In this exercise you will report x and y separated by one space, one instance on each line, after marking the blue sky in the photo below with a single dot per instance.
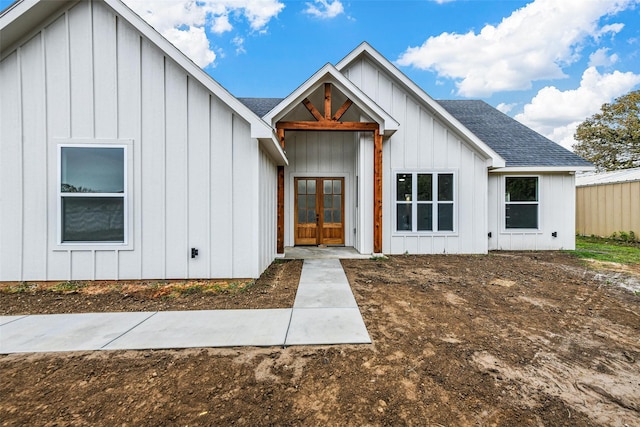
548 63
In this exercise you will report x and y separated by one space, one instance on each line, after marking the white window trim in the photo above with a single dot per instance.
415 202
127 244
503 203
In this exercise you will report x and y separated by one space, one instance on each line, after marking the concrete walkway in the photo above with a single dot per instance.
324 312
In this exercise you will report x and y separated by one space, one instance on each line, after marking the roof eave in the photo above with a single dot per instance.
547 169
272 147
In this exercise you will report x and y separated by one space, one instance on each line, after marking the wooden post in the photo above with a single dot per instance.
327 101
280 237
377 192
281 137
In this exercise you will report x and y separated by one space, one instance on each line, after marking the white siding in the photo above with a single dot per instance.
89 76
423 143
556 214
268 205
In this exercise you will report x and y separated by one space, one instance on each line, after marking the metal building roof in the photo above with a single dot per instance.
623 175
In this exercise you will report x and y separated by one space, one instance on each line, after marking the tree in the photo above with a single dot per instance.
610 139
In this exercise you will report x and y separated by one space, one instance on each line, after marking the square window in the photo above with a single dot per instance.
425 202
521 202
92 194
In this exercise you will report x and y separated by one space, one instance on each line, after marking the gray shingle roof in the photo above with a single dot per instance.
260 106
519 145
515 142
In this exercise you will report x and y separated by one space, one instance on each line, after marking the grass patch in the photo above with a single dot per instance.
607 250
68 287
20 288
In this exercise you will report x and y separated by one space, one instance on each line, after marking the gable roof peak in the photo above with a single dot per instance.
330 74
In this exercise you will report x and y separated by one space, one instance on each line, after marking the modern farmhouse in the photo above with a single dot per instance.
122 159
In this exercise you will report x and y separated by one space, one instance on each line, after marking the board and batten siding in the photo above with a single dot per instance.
556 214
604 209
318 155
423 143
88 76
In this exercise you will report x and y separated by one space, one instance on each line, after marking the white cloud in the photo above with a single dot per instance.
238 42
601 58
193 43
221 24
533 43
183 22
325 9
556 114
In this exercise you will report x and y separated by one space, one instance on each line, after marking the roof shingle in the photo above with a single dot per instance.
519 145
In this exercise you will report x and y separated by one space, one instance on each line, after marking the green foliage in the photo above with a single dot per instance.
607 250
68 287
611 139
623 236
21 288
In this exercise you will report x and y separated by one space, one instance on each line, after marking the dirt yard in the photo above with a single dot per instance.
508 339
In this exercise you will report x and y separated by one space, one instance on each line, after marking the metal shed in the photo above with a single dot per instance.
608 202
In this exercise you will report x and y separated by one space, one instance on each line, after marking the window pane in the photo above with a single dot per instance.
403 187
302 186
337 215
302 202
327 186
445 187
311 217
311 202
445 217
302 216
425 217
425 187
337 201
327 200
403 216
92 219
521 189
521 216
92 170
327 215
311 186
337 187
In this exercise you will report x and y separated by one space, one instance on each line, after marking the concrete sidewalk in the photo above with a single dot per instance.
324 312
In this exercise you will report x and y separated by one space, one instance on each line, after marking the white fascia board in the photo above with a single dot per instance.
259 129
274 150
542 169
21 19
328 73
365 48
14 11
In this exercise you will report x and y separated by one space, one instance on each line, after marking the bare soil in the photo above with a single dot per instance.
515 339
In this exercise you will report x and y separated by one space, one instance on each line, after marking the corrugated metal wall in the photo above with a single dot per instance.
605 209
88 75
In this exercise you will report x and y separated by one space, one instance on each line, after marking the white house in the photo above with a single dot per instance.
121 159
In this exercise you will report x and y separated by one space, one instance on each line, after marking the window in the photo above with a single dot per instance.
92 197
521 202
424 202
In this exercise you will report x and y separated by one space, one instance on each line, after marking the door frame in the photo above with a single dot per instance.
348 207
